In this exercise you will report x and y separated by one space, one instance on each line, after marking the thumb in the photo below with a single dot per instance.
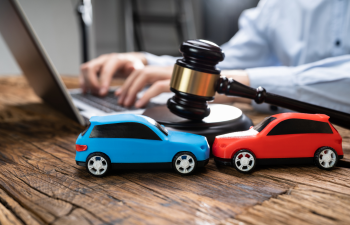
156 89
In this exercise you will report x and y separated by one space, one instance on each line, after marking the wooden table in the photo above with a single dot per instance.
41 184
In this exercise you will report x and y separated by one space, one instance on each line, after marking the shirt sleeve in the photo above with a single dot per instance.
250 47
164 60
325 83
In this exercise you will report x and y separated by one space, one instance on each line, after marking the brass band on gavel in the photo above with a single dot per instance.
194 82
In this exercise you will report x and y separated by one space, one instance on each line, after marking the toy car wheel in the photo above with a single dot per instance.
244 161
184 163
326 158
98 164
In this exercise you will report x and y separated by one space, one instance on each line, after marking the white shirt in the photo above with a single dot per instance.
296 48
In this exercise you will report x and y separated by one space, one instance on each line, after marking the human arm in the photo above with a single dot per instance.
247 50
325 83
250 47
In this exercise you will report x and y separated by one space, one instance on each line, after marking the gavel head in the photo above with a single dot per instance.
194 79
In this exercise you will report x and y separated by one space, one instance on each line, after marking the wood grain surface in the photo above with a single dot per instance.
41 184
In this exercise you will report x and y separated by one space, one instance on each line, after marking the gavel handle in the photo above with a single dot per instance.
231 87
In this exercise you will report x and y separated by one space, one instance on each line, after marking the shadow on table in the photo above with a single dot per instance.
36 119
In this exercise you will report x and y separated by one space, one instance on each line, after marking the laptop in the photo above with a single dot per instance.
44 78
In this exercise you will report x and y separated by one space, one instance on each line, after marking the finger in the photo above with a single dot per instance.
136 86
118 91
82 79
108 70
126 85
156 89
89 72
92 80
127 68
82 83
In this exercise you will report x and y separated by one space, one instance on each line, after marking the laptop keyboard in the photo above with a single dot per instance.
108 103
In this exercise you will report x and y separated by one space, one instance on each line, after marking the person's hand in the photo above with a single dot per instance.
239 75
158 76
96 75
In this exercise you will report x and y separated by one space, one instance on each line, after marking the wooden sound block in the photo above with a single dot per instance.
222 119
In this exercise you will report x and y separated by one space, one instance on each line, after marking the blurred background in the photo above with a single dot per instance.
155 26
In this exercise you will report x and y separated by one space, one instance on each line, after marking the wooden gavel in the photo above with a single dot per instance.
196 79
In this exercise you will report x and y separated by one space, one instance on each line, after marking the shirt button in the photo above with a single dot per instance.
337 43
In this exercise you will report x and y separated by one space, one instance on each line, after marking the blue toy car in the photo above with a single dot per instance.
136 141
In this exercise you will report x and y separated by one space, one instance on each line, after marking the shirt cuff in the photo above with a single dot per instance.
271 77
164 60
278 80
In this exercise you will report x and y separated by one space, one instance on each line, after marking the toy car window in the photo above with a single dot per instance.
124 130
335 128
301 126
87 128
261 126
157 125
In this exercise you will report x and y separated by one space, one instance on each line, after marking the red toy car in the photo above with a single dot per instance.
287 138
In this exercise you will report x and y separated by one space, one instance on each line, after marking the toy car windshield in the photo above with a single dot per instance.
261 126
154 123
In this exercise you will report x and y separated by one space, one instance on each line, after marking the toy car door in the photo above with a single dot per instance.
294 138
145 145
130 142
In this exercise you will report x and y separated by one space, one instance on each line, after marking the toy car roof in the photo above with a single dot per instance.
119 118
319 117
